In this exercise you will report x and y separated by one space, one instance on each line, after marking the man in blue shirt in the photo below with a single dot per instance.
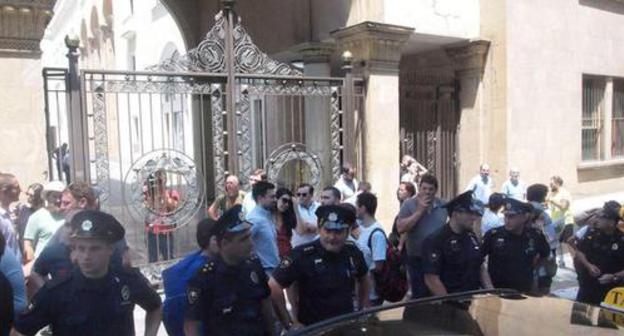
513 187
263 232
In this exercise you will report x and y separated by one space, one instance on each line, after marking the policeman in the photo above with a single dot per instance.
600 256
229 295
515 249
93 299
326 271
452 255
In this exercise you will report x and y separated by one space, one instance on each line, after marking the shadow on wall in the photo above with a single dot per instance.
591 174
604 5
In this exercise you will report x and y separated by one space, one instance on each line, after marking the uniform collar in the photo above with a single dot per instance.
83 282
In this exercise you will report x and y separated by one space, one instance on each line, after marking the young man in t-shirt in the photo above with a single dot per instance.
373 237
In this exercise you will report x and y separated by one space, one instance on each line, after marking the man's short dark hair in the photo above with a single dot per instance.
365 186
368 201
334 191
496 201
429 179
557 179
261 188
310 187
537 193
409 187
80 190
205 231
346 167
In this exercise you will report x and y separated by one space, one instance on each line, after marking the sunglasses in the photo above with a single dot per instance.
302 194
285 199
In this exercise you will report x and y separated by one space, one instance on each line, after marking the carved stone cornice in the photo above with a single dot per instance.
469 56
315 52
375 46
23 25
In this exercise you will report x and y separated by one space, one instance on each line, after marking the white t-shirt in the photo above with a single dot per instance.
375 252
308 215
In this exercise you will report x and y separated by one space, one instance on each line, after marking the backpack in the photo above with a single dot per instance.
175 279
391 281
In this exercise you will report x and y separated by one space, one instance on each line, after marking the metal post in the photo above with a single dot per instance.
232 157
76 119
348 115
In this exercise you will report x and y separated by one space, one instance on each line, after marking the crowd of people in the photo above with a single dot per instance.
273 259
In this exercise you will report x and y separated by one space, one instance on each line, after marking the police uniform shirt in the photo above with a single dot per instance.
607 253
326 280
228 299
511 257
455 258
76 305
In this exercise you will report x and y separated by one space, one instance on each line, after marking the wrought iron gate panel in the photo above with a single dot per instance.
56 115
146 127
429 121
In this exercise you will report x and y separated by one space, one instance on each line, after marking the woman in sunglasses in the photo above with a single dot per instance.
285 221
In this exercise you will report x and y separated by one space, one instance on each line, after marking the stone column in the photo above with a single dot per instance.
376 50
469 61
22 24
316 59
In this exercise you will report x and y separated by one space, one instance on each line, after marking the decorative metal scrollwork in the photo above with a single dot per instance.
163 186
294 152
216 103
209 55
102 165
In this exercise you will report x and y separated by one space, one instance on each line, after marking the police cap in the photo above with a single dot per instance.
334 217
611 210
465 202
514 207
232 221
93 224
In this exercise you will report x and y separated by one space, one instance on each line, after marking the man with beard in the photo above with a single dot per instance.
44 222
263 233
326 271
453 261
419 217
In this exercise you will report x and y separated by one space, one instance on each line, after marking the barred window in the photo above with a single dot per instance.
617 120
593 115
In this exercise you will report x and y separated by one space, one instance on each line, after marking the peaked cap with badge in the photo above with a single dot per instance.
334 217
93 224
232 221
465 202
515 207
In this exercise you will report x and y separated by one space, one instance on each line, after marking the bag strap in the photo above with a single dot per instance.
370 238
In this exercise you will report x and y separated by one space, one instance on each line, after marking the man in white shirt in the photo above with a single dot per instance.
305 209
347 184
513 187
372 236
482 184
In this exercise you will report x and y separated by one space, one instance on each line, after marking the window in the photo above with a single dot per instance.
603 118
593 114
617 120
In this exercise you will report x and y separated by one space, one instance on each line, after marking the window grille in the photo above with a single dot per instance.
617 120
593 114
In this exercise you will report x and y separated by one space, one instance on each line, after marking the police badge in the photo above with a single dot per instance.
87 225
192 296
125 293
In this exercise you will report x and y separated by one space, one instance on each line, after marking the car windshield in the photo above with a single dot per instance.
476 313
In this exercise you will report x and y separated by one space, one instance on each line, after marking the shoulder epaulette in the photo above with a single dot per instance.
58 281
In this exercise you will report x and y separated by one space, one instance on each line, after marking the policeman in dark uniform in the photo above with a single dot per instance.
93 299
326 271
516 249
452 255
600 257
229 295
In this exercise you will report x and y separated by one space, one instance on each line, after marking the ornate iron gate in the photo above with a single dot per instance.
161 142
429 120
